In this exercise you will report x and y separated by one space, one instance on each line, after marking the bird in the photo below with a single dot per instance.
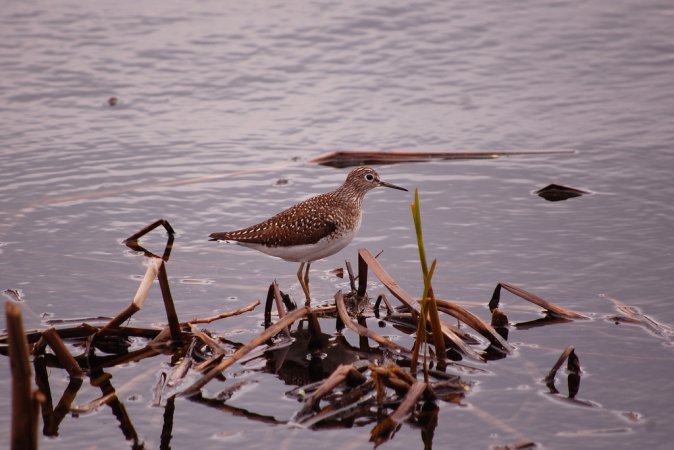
314 228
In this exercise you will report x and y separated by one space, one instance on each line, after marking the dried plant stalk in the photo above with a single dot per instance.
404 297
361 330
535 299
25 405
245 309
62 353
475 323
140 297
241 352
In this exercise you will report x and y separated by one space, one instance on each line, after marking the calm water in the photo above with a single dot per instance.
218 101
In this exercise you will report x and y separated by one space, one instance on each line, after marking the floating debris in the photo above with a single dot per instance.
557 192
15 295
348 158
632 315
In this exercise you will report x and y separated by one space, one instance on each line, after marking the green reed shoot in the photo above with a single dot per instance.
429 308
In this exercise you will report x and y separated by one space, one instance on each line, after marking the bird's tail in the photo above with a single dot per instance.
218 237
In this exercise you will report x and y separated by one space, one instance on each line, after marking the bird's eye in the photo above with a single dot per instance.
369 177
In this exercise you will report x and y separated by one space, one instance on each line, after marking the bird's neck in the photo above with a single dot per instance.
350 196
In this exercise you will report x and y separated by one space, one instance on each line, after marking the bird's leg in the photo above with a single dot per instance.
303 283
306 283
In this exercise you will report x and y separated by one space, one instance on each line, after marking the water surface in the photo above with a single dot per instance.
217 102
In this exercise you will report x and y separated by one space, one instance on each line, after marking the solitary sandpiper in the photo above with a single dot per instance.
313 229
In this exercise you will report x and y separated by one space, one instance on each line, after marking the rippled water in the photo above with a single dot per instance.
218 101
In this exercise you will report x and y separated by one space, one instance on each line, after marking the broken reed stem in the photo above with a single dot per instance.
384 429
245 309
352 278
279 306
62 353
362 277
171 315
474 322
241 352
206 339
398 292
361 330
334 380
140 297
146 229
535 299
565 354
413 394
25 405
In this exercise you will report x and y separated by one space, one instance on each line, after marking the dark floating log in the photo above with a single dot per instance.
348 158
558 192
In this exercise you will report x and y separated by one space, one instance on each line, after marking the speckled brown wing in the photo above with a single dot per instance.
304 223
